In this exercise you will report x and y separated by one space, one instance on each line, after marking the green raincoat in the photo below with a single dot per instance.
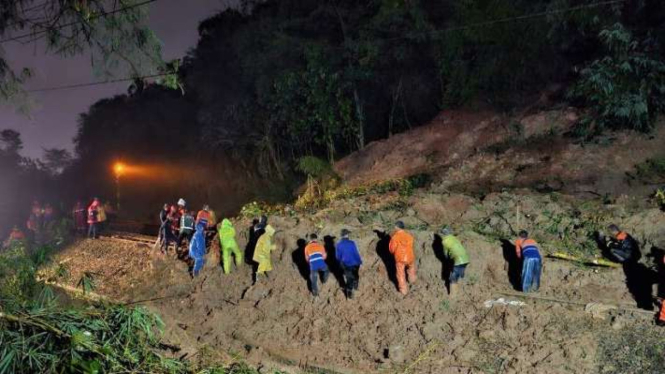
454 250
263 248
227 241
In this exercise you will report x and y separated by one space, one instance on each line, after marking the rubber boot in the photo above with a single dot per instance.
454 290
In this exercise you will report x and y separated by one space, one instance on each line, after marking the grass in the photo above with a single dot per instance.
632 350
651 170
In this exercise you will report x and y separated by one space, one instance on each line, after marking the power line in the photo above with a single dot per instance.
92 17
458 28
89 84
510 19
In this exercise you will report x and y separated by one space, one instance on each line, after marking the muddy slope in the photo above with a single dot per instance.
278 323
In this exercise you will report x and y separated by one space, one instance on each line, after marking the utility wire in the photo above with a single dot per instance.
101 15
89 84
459 28
510 19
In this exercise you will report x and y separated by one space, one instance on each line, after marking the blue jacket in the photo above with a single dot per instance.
197 247
347 253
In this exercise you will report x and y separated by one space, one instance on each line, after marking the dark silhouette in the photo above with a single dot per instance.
383 251
331 259
639 280
514 263
299 261
252 238
657 254
446 264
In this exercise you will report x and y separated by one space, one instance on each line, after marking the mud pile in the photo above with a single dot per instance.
277 323
484 152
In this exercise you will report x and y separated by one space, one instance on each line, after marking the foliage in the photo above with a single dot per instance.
660 197
635 349
256 209
625 88
651 170
314 167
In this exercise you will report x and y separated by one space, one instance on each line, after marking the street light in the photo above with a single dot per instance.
119 170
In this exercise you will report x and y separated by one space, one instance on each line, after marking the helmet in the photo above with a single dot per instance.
182 202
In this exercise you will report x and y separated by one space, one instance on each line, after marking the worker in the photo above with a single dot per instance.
101 213
15 236
532 263
262 253
622 247
48 215
181 204
79 217
197 249
401 246
228 244
349 259
93 218
171 227
35 219
315 254
186 229
203 216
454 251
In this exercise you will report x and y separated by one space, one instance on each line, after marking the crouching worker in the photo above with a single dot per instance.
315 254
349 259
227 241
197 249
401 246
622 247
262 253
527 250
455 253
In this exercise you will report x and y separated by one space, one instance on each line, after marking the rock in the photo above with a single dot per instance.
395 353
598 310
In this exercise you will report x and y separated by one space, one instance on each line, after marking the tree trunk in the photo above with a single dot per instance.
360 113
391 119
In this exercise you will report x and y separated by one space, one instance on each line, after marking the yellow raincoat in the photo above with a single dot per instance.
262 252
227 241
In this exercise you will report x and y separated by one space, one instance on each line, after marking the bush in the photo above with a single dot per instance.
651 170
624 89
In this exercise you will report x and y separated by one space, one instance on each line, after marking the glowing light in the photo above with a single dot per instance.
119 168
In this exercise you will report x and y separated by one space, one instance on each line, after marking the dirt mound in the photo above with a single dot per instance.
277 323
485 152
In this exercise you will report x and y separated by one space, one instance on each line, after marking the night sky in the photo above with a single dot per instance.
54 118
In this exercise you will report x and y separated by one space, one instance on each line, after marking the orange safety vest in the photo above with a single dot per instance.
524 243
401 246
314 247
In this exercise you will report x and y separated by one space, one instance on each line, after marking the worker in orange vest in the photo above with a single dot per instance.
315 254
204 217
15 236
401 246
532 263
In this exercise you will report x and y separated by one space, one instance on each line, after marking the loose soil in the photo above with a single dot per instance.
277 324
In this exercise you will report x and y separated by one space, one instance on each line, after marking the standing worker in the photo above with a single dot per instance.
93 218
315 254
203 216
401 246
262 253
227 241
101 215
197 250
454 251
349 259
532 263
186 227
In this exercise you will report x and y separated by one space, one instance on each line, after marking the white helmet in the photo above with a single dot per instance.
182 202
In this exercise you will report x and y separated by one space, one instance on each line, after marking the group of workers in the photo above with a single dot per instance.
620 247
91 221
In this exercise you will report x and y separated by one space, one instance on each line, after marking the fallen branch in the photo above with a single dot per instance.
561 301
